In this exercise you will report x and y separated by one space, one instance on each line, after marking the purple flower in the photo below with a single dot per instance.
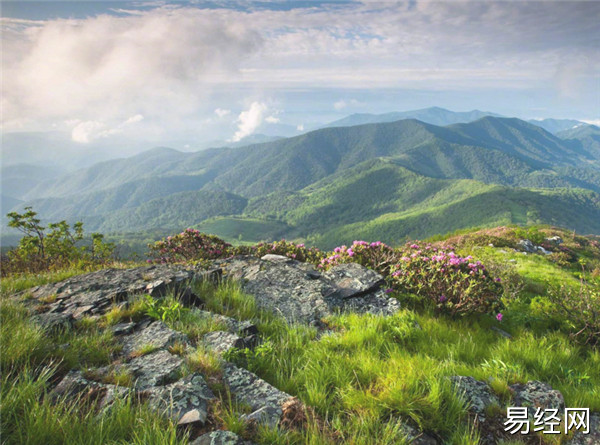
389 290
442 298
497 280
499 316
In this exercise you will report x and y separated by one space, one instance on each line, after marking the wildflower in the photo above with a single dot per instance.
497 280
442 298
499 316
414 246
350 252
389 290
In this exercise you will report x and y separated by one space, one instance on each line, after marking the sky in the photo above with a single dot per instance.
188 73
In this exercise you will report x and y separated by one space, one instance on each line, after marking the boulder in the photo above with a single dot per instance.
220 438
221 342
75 385
185 401
534 394
593 437
156 334
476 393
300 293
264 399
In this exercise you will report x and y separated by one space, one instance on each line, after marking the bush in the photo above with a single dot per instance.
377 256
189 246
295 251
456 285
580 310
57 246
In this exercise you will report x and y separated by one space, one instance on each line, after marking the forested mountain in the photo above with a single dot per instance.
405 177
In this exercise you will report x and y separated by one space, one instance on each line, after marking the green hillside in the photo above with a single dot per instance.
402 178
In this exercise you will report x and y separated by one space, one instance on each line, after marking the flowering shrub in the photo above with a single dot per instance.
295 251
188 246
455 284
377 256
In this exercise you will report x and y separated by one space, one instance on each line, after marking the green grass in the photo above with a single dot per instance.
362 379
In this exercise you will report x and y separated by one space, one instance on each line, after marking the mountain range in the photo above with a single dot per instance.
384 180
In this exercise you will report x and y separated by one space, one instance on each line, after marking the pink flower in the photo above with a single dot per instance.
499 317
414 246
350 252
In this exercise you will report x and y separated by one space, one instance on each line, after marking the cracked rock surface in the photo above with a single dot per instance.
300 293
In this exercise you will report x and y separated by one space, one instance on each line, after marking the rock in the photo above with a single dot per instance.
190 299
54 321
93 294
416 437
242 328
74 384
264 399
156 334
220 438
353 280
536 394
221 342
476 393
301 294
185 401
526 246
593 437
123 328
556 240
154 369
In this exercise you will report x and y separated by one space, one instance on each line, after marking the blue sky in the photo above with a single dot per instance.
200 71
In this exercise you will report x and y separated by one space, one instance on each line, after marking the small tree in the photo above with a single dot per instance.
56 246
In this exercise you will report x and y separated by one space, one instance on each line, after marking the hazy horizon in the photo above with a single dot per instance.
108 73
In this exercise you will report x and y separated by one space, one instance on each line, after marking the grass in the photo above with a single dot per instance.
363 379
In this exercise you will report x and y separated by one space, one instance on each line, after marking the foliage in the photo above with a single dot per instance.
376 255
188 246
454 284
292 250
167 310
56 247
580 311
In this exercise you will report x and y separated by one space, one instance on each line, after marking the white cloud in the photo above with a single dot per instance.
272 119
300 127
340 104
595 122
222 112
248 121
85 132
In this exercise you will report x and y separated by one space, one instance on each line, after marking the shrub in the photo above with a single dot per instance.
189 246
455 284
167 310
376 255
57 246
295 251
580 311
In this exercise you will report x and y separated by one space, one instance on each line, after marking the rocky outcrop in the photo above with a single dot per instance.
477 394
536 394
265 400
147 367
300 293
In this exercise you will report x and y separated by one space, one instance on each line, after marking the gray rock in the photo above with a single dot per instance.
353 280
220 438
95 293
299 293
123 328
221 342
54 321
264 399
593 437
74 385
527 246
476 393
556 240
154 369
416 437
536 394
156 334
185 401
